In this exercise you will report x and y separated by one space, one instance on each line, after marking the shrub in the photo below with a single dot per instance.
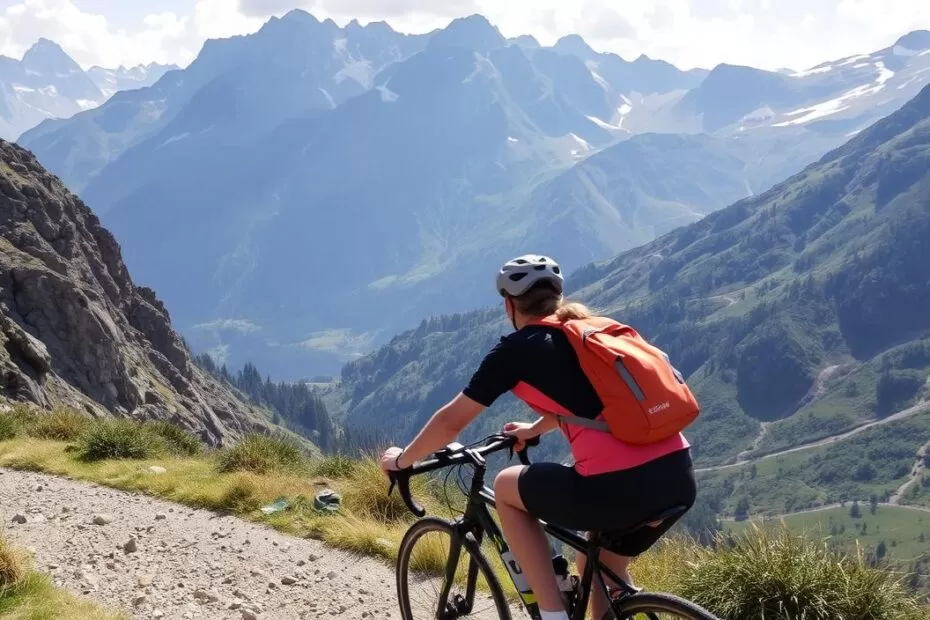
178 441
772 573
119 439
261 454
14 422
9 427
59 424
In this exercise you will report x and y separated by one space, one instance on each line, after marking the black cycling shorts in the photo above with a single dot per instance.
618 500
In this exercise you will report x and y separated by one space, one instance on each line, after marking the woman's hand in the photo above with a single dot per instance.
389 459
522 431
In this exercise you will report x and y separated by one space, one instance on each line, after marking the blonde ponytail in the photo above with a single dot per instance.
542 301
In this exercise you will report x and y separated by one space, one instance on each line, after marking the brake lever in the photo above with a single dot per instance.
523 454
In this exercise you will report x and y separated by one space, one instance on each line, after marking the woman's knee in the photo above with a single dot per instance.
507 487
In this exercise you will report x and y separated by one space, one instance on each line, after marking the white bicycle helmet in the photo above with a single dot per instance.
519 274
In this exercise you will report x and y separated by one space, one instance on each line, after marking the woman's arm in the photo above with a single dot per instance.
545 424
442 429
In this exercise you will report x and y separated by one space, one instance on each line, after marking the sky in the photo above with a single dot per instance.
769 34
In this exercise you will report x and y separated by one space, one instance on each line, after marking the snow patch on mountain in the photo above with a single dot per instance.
583 148
387 95
592 67
813 71
841 103
852 59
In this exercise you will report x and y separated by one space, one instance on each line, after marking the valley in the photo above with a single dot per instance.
312 215
423 161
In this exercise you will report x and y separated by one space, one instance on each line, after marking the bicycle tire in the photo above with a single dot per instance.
433 524
658 602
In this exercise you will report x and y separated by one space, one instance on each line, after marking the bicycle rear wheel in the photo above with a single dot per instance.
657 606
422 561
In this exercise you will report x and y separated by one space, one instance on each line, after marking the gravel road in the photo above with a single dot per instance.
155 559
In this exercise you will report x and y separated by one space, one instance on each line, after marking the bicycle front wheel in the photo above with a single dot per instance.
426 556
657 606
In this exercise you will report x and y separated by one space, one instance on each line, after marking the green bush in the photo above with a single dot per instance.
772 573
9 427
59 424
13 423
178 441
119 439
261 454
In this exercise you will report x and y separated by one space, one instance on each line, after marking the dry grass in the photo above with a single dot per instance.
773 573
263 454
760 573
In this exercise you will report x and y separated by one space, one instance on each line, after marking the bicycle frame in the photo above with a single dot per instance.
477 521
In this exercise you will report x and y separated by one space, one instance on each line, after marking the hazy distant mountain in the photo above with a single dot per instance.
46 83
111 81
334 185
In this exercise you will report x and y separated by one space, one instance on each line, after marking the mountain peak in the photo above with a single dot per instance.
297 15
917 41
573 44
46 56
526 40
474 32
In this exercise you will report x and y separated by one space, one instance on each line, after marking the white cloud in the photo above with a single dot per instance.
792 33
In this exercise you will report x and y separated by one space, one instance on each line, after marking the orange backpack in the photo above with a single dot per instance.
645 398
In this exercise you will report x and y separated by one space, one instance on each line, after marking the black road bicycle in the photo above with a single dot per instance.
459 589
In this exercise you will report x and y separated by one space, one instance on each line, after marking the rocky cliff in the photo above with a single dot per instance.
75 330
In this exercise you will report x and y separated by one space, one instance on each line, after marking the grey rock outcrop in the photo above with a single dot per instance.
76 331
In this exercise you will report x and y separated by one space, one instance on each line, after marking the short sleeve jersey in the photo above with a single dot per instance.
543 358
539 356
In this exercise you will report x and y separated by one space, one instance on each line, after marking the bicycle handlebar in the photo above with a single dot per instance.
454 455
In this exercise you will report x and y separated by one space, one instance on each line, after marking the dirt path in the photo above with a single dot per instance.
822 442
187 563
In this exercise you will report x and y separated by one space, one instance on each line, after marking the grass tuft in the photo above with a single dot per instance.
772 573
240 497
367 494
13 423
14 567
59 424
119 439
177 440
263 454
336 466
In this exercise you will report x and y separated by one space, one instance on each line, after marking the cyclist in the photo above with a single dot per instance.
612 485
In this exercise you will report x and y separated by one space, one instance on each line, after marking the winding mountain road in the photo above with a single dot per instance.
905 413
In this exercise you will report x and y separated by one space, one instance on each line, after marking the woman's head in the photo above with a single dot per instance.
531 286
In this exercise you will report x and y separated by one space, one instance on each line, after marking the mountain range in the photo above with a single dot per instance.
47 83
300 194
798 316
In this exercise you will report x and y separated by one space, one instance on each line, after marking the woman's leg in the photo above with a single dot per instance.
620 566
527 540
